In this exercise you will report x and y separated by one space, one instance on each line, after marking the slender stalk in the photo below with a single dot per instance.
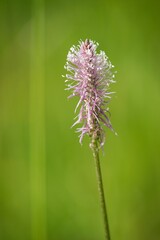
37 123
101 190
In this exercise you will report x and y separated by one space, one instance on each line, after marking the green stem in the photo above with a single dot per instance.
101 190
37 123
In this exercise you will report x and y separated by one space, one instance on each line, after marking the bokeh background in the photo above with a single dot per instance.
48 188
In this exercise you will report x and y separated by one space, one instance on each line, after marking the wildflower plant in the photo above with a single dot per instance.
89 77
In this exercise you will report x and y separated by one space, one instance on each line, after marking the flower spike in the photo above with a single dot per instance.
89 78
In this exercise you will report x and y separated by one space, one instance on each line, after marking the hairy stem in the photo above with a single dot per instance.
101 190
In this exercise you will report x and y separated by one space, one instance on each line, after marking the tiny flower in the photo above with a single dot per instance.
89 78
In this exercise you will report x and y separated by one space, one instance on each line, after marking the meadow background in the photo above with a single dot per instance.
48 187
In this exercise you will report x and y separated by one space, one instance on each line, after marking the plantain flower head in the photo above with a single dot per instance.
89 77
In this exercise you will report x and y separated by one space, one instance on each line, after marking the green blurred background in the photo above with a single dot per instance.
48 187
